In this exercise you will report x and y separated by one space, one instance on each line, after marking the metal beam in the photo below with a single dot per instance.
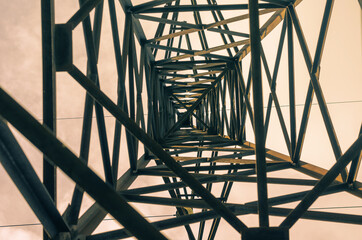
331 175
90 220
27 181
83 12
314 84
258 114
75 168
177 125
154 147
203 7
49 91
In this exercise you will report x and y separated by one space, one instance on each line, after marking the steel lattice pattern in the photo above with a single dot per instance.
189 85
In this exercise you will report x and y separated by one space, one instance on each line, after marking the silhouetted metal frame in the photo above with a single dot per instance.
208 99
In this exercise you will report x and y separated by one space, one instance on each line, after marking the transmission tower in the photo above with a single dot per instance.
194 103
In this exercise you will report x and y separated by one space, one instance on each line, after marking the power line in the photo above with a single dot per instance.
107 219
170 215
282 106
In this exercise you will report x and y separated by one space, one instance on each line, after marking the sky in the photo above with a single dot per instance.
341 81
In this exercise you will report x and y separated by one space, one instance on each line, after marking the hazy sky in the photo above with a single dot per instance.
341 80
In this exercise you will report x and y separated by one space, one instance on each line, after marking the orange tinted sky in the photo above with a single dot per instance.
341 80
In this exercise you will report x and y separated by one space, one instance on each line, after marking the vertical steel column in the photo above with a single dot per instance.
28 183
72 212
49 97
291 84
258 114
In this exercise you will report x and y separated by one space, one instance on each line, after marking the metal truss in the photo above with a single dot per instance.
200 103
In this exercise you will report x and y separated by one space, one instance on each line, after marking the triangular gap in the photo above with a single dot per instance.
245 68
343 63
271 74
270 48
317 148
150 27
63 11
108 72
101 124
174 16
264 17
311 27
323 108
162 29
215 38
275 138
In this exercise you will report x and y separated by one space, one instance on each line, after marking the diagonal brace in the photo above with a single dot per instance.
193 107
331 175
157 149
59 155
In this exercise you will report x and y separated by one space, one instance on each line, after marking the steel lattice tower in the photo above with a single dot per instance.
190 114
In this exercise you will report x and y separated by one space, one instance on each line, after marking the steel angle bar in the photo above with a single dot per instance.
191 63
131 141
245 208
49 90
193 114
293 197
83 12
213 168
164 187
161 27
292 111
245 92
284 3
314 84
174 34
168 21
321 216
275 75
258 114
219 19
95 214
25 178
355 166
191 28
273 21
276 102
61 156
236 178
139 33
207 52
92 63
203 216
192 53
228 32
193 107
167 48
71 214
120 94
154 147
327 179
162 225
204 7
150 4
167 173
